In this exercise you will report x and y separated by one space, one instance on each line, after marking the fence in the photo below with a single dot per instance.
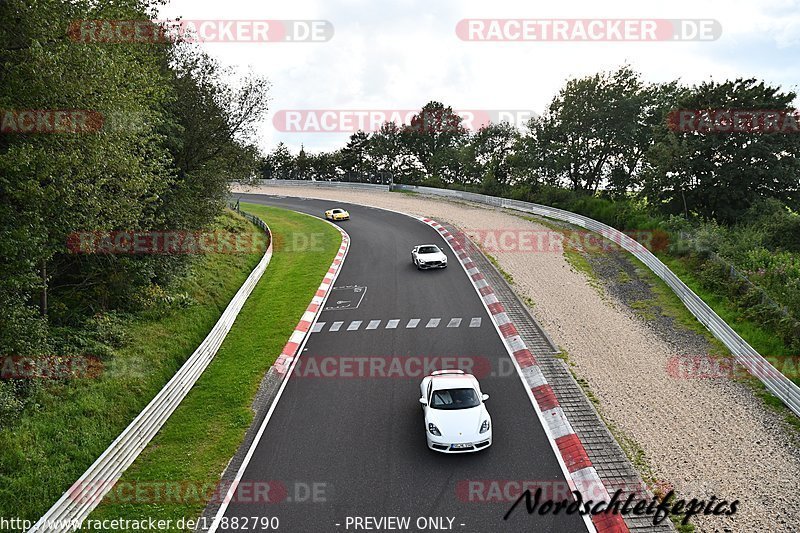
86 493
758 366
310 183
380 177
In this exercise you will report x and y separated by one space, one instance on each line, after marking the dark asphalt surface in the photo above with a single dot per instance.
359 442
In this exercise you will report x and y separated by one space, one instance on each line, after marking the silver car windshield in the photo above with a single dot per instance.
427 250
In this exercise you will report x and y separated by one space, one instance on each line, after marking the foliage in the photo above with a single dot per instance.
173 131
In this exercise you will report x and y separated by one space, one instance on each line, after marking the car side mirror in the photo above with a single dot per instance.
485 397
423 401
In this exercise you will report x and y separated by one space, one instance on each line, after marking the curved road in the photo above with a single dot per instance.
346 445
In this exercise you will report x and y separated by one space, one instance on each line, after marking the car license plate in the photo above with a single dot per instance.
460 446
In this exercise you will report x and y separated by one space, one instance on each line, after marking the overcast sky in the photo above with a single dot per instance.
400 55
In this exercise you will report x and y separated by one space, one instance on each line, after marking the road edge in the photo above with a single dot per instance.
572 457
279 372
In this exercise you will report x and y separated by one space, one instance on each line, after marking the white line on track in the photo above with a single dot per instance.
431 323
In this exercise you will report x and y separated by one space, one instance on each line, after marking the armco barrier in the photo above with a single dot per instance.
339 184
777 383
86 493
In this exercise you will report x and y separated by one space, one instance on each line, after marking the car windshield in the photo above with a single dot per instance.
428 249
455 399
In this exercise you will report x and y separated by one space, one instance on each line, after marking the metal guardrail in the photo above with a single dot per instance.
758 366
86 493
338 184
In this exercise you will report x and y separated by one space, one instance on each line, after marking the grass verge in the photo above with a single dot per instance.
68 424
196 443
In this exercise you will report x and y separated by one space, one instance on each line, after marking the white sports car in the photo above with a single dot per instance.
456 419
428 256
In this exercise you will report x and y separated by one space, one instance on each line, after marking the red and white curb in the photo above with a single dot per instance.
573 456
290 351
285 362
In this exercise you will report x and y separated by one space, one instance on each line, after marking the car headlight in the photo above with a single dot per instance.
484 426
434 430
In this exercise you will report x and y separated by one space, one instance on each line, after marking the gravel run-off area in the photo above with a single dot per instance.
703 436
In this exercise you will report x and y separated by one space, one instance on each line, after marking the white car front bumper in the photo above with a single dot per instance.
445 445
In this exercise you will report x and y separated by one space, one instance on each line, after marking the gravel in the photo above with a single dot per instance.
703 436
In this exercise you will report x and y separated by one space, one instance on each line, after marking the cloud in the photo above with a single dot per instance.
403 54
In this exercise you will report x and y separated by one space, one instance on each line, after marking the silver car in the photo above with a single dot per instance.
427 256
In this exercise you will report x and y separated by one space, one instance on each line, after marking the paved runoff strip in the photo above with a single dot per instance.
579 469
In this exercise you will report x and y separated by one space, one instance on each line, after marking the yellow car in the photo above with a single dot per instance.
337 214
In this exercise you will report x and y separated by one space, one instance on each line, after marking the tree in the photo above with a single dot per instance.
212 125
173 130
354 156
302 165
596 130
720 175
491 148
434 137
324 166
278 164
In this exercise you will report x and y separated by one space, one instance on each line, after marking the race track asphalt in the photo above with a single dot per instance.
342 445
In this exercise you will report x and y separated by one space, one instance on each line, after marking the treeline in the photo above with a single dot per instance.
610 146
167 131
604 135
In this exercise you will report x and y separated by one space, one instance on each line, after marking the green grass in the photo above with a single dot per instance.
403 191
205 431
666 302
761 340
765 342
69 424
